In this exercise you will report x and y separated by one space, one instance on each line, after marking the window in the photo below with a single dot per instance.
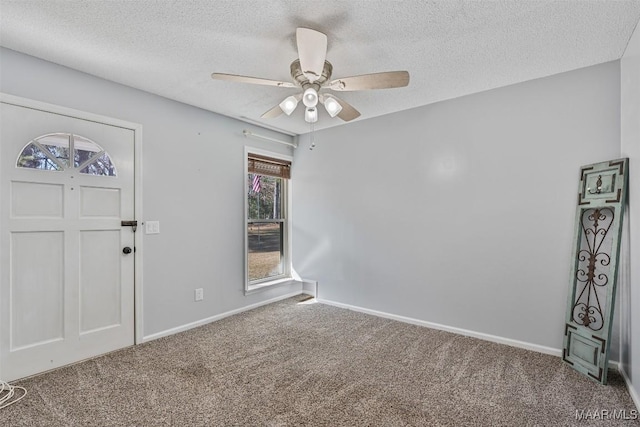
52 152
267 255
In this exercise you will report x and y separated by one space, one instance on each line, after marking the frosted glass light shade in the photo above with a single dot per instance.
311 115
310 97
288 105
332 106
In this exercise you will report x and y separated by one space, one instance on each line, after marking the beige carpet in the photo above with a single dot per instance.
292 364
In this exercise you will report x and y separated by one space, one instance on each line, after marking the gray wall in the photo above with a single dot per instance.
192 183
630 283
459 213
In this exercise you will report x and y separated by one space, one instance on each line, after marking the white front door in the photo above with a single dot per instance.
66 285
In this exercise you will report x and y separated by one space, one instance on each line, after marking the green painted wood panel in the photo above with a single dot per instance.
594 270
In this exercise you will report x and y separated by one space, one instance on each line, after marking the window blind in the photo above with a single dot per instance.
269 166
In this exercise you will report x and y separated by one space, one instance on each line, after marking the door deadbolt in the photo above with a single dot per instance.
132 224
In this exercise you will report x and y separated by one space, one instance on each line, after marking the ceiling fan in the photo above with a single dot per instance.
311 72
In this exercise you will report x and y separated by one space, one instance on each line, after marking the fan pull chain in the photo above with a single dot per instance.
312 136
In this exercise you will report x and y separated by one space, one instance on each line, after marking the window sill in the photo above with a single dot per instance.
251 289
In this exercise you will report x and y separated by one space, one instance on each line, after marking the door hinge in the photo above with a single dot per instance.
132 224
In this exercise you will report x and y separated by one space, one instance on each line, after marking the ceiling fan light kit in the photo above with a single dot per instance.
311 72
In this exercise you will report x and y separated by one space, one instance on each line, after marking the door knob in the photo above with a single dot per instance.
126 250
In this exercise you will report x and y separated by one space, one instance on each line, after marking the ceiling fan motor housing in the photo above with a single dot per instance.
300 79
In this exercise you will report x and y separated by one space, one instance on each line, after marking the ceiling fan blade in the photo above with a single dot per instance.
272 113
386 80
347 113
252 80
312 51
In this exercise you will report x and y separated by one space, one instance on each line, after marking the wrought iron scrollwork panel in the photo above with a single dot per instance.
602 197
592 275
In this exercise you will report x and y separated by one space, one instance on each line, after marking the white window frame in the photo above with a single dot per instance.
257 285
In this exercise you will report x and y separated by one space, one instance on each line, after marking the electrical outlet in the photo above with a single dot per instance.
199 294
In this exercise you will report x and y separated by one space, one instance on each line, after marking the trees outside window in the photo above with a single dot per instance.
267 250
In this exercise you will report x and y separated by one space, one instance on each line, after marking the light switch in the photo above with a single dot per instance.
152 227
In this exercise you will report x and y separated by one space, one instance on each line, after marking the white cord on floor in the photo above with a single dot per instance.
7 392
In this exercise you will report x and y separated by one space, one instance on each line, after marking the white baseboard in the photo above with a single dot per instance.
201 322
310 287
459 331
635 396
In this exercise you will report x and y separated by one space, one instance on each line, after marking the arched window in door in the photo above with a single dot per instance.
63 151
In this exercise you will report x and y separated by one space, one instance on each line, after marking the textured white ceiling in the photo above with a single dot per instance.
450 48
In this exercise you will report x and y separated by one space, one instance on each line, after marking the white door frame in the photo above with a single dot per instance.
137 186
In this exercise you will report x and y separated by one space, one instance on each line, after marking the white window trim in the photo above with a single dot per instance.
286 277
